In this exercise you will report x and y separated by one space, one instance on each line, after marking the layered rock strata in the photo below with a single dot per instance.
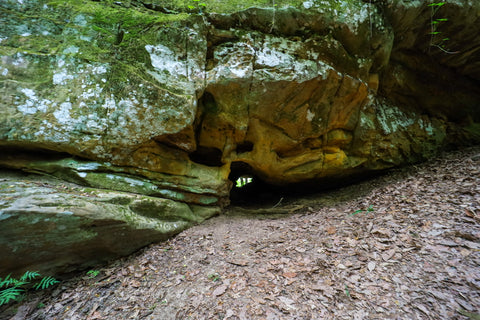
170 102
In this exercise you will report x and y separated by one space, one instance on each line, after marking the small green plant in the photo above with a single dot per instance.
273 16
436 38
370 209
93 273
347 292
198 6
12 289
214 277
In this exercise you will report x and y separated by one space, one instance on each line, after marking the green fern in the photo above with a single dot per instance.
14 288
45 283
29 275
7 281
8 294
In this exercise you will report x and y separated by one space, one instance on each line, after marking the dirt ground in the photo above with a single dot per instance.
405 245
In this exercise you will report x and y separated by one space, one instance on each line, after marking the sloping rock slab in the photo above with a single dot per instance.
54 227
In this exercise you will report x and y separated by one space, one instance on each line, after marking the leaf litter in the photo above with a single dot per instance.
405 245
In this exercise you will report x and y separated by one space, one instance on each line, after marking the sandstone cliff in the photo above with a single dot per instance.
166 102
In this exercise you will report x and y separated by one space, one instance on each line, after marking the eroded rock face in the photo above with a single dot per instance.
151 99
59 227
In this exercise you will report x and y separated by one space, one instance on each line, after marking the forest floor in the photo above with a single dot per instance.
405 245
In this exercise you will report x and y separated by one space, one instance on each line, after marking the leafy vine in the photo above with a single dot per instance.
436 37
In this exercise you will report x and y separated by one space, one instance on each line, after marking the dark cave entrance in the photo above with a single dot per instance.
250 190
254 192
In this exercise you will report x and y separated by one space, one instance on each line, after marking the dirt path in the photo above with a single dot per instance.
402 246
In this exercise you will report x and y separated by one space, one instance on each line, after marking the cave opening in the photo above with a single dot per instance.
251 191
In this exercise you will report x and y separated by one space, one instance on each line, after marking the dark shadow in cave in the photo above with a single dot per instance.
254 192
211 157
260 194
32 153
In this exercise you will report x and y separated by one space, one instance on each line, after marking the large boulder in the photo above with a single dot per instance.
58 227
171 100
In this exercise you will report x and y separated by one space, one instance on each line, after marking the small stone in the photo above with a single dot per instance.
371 266
219 290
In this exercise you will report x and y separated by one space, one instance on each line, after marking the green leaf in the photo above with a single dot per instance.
435 32
191 7
7 281
214 277
20 283
14 288
358 211
347 292
93 273
441 19
45 283
29 275
9 294
436 4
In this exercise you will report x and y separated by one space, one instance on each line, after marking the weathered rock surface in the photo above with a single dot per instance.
152 99
58 227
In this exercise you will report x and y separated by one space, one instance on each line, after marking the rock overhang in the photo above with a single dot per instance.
176 105
303 83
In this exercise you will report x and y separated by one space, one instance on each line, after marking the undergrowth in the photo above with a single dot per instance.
12 289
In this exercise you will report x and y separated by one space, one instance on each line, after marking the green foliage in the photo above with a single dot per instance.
242 181
347 292
227 6
8 294
197 5
29 276
370 209
11 289
93 273
435 41
45 283
214 277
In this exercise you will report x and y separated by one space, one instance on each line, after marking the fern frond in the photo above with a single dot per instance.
45 283
9 294
29 275
5 282
13 288
9 281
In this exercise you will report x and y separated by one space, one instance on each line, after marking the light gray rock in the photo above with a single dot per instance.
51 226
